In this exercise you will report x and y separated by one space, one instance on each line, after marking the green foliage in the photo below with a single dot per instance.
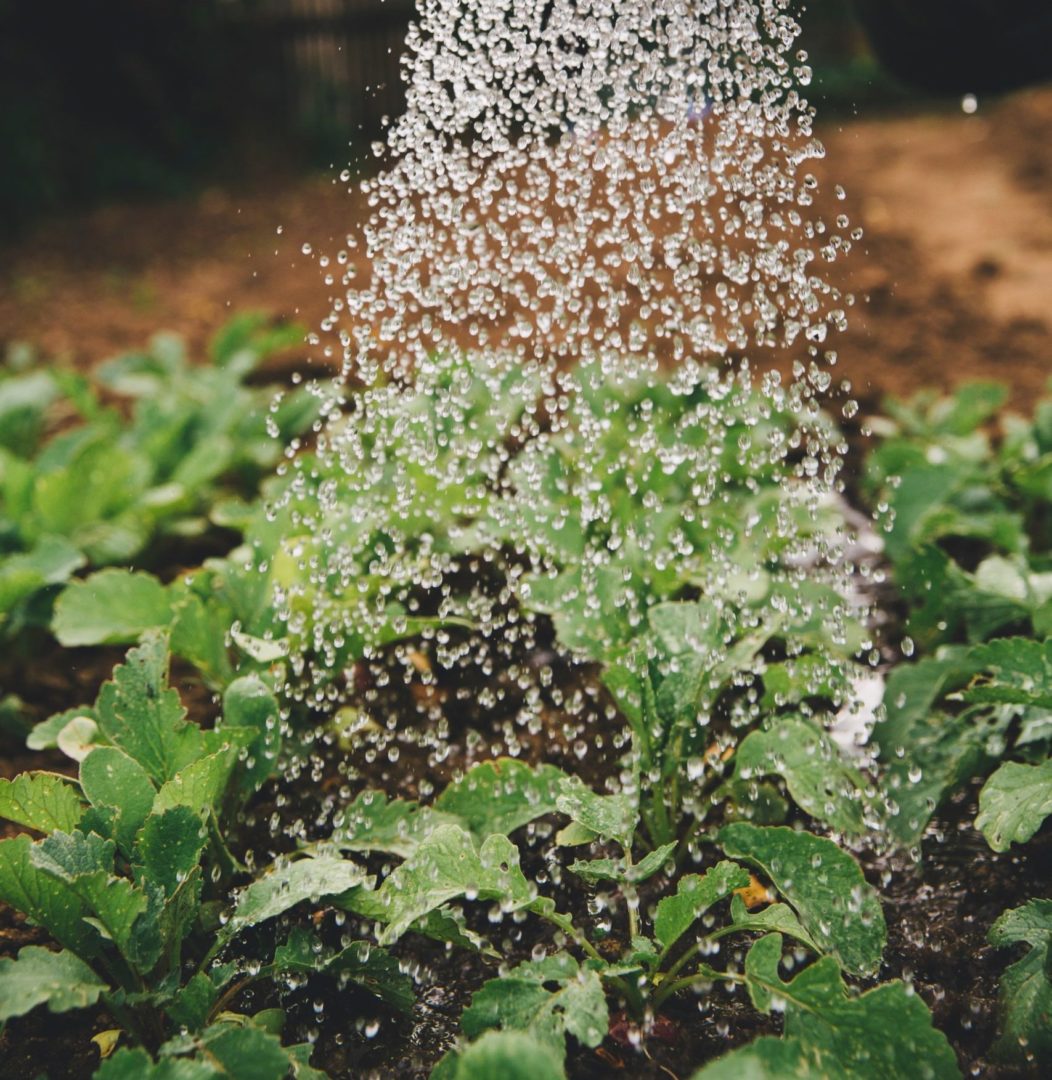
823 884
886 1031
103 492
1026 986
694 895
60 979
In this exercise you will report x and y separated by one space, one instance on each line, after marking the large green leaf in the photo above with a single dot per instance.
1022 672
823 884
141 715
503 1055
290 883
610 816
819 780
169 847
500 796
61 979
1014 803
694 895
360 963
112 607
200 785
111 778
884 1032
42 801
135 1064
374 823
45 899
1026 986
775 918
51 562
446 865
548 999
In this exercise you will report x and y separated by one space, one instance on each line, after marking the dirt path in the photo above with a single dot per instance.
954 281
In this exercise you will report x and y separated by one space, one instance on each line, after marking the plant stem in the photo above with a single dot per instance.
630 895
703 974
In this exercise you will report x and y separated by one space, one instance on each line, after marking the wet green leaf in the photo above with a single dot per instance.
169 847
290 883
448 864
374 823
548 999
110 778
595 870
820 782
363 964
1014 803
823 884
111 607
199 785
694 895
60 979
1026 985
42 801
502 795
509 1055
775 918
883 1032
609 816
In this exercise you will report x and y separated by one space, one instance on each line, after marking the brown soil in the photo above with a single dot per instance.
952 282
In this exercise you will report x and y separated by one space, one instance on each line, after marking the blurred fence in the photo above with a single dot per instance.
336 61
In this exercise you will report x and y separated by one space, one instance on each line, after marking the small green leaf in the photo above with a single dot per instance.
595 870
61 979
169 847
288 884
509 1055
200 785
610 816
883 1032
361 963
525 1001
112 607
42 801
824 885
141 715
694 895
775 918
447 864
374 823
1026 986
110 778
1014 803
47 901
818 779
500 796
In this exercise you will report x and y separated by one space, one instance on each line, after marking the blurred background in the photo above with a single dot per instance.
168 161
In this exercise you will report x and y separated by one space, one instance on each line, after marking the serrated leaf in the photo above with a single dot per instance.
446 865
360 963
84 863
111 607
447 924
136 1064
141 715
46 901
694 895
610 816
1026 986
110 778
374 823
883 1032
595 870
775 918
509 1055
290 883
1014 803
42 801
523 1001
245 1051
820 782
199 785
169 847
823 884
60 979
500 796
